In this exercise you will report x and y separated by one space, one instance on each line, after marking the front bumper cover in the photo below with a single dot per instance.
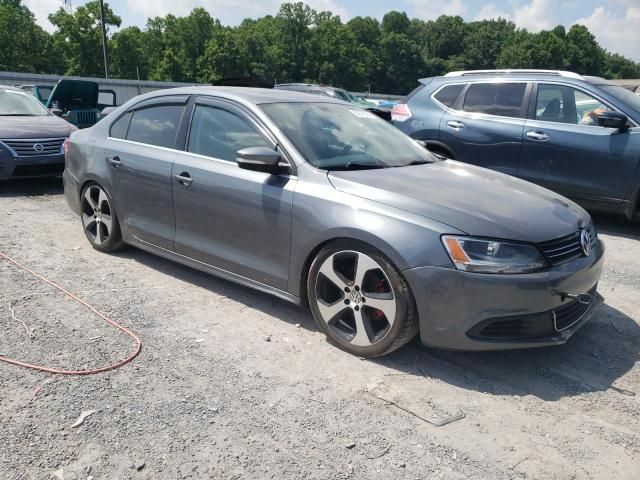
452 303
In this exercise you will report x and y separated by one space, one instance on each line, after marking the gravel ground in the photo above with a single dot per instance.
234 384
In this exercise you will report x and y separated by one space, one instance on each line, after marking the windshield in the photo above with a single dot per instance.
334 136
18 103
623 95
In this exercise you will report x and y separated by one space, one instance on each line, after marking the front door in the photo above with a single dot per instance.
485 127
234 219
565 150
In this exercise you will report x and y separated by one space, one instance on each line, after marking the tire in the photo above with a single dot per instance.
346 279
99 219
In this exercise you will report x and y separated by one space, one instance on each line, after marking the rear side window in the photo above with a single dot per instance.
448 95
120 126
503 99
155 125
220 134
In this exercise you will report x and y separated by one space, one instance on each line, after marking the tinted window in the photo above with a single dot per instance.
120 126
155 125
504 99
220 134
557 103
447 96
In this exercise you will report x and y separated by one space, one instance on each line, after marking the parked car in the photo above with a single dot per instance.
40 92
76 101
338 93
316 202
577 135
31 137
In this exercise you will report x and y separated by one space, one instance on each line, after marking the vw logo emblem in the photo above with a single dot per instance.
38 147
585 242
356 297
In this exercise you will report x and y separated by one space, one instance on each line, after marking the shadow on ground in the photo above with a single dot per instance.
594 359
31 187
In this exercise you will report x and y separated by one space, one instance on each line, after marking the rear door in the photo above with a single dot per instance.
234 219
565 150
485 125
140 152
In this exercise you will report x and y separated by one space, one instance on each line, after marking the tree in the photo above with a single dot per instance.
296 20
25 46
584 55
79 38
128 54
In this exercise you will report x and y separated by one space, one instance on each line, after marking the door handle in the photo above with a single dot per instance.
455 124
539 136
184 179
114 161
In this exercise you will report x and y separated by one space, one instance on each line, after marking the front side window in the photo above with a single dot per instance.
562 104
17 103
220 134
155 125
448 95
335 136
503 99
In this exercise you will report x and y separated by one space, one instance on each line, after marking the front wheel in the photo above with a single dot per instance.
360 300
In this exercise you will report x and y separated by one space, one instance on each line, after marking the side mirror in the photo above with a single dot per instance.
612 120
259 159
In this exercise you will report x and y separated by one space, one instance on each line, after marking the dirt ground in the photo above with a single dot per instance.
235 384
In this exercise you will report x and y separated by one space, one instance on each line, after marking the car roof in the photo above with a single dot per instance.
247 94
9 87
466 76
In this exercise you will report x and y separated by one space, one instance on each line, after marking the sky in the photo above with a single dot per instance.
615 23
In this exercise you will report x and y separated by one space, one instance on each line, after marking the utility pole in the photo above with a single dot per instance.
104 41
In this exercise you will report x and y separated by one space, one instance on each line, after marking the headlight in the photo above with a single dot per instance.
492 256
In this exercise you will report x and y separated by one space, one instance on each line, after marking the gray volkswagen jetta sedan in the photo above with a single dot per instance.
317 202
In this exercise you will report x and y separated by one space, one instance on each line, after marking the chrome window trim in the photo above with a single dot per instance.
587 92
197 155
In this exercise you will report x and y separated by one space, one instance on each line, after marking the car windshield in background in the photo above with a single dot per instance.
14 103
624 95
342 137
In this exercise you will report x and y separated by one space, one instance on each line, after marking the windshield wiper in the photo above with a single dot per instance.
356 166
417 162
17 115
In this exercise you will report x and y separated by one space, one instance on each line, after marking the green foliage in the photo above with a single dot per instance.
78 39
297 44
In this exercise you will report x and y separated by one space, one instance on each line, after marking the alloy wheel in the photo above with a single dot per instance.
96 215
355 298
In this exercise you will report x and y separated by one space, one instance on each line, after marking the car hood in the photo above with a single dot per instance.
79 93
474 200
44 126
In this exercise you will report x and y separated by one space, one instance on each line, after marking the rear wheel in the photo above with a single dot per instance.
99 219
360 300
440 152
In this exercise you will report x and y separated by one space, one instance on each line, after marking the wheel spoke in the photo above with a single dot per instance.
330 311
108 223
88 220
99 237
361 337
331 275
364 264
89 199
102 199
383 302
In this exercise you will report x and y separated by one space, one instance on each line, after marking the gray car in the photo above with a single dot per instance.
321 203
31 137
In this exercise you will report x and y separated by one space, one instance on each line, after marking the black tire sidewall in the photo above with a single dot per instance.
405 306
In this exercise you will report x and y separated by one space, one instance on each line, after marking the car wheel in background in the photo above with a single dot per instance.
360 300
99 219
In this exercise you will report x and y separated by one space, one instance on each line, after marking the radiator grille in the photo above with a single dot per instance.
565 249
35 147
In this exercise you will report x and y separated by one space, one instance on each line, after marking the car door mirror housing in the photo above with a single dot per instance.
613 120
259 159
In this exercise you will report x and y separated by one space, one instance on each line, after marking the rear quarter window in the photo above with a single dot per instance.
448 95
119 127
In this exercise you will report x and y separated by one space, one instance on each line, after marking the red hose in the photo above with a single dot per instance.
89 307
